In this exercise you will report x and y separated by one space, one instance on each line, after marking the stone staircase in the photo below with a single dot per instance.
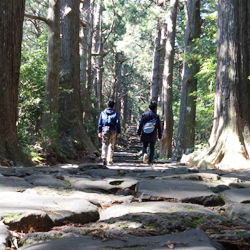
131 147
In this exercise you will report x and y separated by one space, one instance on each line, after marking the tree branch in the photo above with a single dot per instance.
100 54
37 18
111 26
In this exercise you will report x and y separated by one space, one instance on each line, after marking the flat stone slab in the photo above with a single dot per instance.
241 195
106 184
45 180
25 212
101 172
178 190
123 155
189 240
4 236
13 183
243 174
159 207
239 211
99 199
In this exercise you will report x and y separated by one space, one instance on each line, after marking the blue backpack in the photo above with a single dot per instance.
149 126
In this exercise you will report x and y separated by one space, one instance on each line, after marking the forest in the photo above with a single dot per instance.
61 60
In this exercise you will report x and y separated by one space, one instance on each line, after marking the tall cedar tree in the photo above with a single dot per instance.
86 46
186 129
53 67
71 128
11 30
229 143
167 94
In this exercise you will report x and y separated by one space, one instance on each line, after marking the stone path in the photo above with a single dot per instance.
128 205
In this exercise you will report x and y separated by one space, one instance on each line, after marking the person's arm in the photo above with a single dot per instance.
139 132
159 128
118 126
99 127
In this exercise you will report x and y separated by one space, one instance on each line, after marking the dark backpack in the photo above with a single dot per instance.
149 126
108 120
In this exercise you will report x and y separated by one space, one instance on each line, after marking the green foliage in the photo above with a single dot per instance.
207 57
133 34
135 23
91 124
35 153
31 91
205 53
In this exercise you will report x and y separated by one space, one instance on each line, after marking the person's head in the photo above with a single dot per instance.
111 103
153 105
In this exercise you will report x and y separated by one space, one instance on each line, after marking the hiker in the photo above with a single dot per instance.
147 132
108 127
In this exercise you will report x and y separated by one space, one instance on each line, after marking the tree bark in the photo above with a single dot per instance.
71 127
156 74
229 145
186 128
86 68
119 60
99 53
50 115
166 142
11 29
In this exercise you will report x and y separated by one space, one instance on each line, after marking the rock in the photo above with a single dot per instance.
4 236
159 207
238 211
178 190
28 212
158 217
189 240
13 184
140 206
233 195
106 184
45 180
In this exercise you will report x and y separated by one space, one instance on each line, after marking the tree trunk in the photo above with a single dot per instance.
99 55
155 86
229 144
186 128
125 98
125 104
166 142
11 29
70 121
50 115
119 59
86 53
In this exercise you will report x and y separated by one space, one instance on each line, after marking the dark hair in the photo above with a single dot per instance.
153 105
110 103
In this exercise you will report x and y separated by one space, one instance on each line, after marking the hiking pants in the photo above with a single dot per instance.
152 150
108 145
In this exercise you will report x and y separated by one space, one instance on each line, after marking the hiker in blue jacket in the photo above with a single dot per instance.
149 136
108 127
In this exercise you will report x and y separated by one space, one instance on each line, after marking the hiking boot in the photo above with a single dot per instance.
145 158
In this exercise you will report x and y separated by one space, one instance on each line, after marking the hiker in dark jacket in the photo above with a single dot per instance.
149 138
108 127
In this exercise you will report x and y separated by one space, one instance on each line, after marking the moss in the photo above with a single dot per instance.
12 217
68 183
150 227
27 242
